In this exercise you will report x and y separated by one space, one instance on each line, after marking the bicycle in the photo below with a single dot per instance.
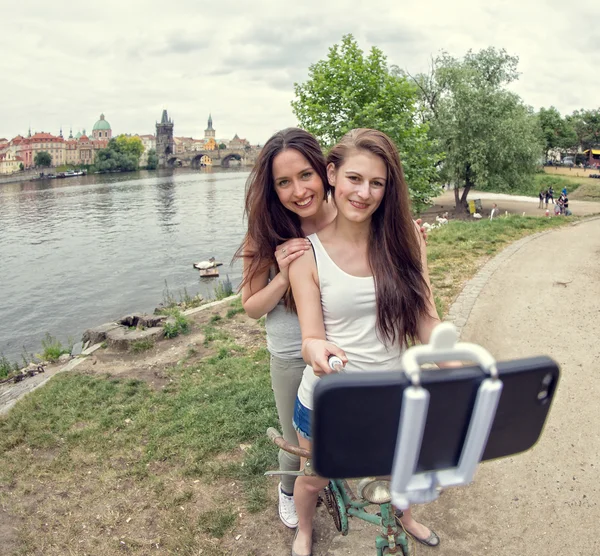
342 503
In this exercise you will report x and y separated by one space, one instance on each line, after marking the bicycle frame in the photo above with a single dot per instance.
391 536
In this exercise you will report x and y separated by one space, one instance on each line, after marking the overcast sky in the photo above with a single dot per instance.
65 62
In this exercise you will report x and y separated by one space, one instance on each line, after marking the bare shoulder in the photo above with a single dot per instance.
304 264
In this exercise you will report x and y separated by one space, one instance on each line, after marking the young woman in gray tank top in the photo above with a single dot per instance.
286 200
363 293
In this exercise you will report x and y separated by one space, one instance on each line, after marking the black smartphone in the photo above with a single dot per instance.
356 416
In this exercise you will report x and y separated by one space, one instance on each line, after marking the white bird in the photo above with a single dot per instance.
441 220
204 265
476 215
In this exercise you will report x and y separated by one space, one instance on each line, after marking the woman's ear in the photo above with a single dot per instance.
331 174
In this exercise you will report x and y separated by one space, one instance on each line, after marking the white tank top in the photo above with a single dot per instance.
350 317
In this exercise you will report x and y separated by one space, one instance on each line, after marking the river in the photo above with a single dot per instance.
78 252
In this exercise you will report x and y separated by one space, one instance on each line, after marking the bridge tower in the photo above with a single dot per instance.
165 145
209 131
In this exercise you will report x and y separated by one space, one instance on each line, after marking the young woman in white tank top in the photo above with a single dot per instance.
361 293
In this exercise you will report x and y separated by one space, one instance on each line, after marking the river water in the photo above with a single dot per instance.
78 252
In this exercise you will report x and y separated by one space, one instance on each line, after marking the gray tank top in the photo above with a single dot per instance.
284 338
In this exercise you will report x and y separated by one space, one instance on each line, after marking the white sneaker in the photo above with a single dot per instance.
287 509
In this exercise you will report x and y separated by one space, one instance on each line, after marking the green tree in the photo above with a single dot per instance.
127 145
21 166
222 146
586 126
558 133
42 158
152 160
490 138
349 89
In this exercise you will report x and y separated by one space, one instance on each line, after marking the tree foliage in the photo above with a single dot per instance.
348 90
42 158
490 138
122 155
558 132
152 163
586 127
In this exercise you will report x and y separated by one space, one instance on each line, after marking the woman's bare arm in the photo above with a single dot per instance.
307 295
260 296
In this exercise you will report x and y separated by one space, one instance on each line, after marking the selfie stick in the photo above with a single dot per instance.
408 487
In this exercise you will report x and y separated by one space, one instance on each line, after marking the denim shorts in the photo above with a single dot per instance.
302 419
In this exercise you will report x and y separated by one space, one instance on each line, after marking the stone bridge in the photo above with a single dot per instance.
225 158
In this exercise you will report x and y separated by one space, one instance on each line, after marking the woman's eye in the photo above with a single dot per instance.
283 183
353 178
377 184
306 175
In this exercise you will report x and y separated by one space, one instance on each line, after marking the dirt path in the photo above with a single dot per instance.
513 204
545 501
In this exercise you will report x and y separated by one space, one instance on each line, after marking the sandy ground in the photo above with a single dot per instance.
513 204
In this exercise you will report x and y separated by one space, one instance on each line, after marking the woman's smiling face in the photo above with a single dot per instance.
298 186
359 185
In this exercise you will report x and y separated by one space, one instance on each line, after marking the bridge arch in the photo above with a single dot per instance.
174 161
201 160
227 160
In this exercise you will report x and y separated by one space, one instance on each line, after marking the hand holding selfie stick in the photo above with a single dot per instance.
407 487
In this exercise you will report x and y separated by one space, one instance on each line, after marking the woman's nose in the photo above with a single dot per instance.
299 188
363 190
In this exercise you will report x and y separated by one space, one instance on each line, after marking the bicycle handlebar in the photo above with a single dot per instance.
280 442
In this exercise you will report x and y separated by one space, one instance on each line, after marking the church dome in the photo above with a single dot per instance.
101 124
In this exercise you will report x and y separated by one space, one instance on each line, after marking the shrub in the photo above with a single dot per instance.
180 324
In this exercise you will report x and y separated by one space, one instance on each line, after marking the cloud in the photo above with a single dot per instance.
66 63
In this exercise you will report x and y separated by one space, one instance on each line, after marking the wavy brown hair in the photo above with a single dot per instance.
269 222
394 251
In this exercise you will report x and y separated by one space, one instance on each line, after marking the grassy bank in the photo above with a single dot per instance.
118 465
94 464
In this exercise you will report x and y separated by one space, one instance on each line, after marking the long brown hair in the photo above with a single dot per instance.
394 251
269 222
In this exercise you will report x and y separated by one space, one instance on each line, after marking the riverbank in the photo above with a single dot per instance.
19 176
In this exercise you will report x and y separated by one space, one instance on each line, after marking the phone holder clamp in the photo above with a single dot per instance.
408 487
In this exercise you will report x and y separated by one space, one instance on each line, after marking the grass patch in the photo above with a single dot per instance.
457 250
176 324
142 345
113 448
217 522
183 301
52 348
223 289
7 368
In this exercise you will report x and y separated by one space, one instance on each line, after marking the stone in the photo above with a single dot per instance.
98 335
131 320
64 357
123 338
152 321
